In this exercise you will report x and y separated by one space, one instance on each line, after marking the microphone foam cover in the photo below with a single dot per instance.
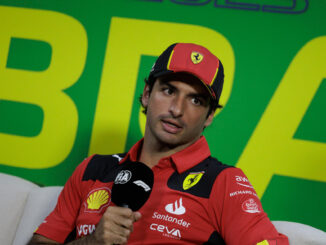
133 185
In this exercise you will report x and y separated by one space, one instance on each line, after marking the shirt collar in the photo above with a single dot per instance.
133 153
192 155
183 160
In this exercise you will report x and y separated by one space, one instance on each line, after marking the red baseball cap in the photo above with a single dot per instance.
194 59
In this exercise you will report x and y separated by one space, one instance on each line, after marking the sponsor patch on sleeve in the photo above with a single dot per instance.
250 206
243 181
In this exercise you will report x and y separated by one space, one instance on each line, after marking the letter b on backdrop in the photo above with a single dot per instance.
68 43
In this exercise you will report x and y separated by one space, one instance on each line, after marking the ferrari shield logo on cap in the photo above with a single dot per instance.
192 179
196 57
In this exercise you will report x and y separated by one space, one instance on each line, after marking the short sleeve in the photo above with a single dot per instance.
238 214
61 221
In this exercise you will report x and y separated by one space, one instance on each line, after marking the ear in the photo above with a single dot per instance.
145 96
209 119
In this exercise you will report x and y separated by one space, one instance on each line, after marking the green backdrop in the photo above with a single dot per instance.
71 73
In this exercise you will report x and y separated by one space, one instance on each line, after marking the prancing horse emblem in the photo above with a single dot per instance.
196 57
192 179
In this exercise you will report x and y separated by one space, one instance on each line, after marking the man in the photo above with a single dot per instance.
195 198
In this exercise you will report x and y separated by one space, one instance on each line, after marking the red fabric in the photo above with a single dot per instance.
62 220
238 212
272 242
169 216
181 61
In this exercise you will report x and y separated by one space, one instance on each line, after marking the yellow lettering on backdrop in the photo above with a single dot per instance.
128 40
272 149
68 41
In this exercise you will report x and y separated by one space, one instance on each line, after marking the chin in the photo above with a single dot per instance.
170 141
173 142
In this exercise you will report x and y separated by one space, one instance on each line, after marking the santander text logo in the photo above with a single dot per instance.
175 208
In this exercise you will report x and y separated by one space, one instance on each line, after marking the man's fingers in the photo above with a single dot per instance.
126 212
119 230
137 216
116 239
116 225
120 218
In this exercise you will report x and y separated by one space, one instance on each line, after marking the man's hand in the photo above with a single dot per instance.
116 225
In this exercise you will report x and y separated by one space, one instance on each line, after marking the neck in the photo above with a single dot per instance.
152 150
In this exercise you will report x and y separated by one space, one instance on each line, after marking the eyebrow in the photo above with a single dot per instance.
200 95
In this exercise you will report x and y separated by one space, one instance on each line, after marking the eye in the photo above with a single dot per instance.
168 91
196 101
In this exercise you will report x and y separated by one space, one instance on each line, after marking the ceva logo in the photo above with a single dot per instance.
166 231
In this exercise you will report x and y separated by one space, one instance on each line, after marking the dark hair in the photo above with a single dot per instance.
150 86
213 104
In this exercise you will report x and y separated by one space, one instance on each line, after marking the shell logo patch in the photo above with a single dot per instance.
196 57
97 199
192 179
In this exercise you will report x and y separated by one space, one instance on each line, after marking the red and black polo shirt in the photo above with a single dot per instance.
195 200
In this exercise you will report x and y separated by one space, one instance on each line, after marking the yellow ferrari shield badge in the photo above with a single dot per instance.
192 179
196 57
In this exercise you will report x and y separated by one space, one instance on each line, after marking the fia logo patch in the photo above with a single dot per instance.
196 57
123 177
192 179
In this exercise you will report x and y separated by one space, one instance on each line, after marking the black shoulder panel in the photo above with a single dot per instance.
207 171
215 239
103 168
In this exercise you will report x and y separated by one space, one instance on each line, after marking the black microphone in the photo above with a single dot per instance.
133 185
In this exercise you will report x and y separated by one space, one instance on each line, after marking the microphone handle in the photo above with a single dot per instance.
124 205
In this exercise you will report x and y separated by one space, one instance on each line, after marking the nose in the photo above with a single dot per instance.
177 106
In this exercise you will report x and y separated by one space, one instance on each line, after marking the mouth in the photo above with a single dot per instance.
171 126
